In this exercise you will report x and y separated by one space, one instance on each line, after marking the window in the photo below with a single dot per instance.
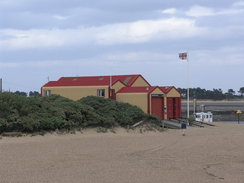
47 92
101 93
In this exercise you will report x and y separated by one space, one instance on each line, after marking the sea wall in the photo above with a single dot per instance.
222 110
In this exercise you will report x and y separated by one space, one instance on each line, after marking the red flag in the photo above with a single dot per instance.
183 56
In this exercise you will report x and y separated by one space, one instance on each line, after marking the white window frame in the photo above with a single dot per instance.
101 92
47 93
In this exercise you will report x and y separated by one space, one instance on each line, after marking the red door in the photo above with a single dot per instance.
157 107
112 94
174 107
177 107
170 108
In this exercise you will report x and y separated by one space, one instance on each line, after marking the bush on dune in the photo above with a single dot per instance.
19 113
114 112
29 114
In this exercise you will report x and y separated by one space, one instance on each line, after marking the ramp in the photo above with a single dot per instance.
171 124
195 123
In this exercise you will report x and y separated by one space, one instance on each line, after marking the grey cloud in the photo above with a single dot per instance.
221 43
26 14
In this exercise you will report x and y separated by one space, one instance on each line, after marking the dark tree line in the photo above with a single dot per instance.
31 93
215 94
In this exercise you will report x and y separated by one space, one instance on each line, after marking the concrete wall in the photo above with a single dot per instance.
76 92
138 99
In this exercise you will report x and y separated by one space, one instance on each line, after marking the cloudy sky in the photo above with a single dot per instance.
41 39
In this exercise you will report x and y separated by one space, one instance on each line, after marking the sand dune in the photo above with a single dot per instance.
212 154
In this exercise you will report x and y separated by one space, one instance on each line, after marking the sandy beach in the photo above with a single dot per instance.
203 155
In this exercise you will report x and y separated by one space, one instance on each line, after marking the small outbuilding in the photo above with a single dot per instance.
149 98
173 102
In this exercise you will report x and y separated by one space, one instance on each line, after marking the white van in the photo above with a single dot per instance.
204 117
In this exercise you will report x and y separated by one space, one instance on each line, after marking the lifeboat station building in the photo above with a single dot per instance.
164 102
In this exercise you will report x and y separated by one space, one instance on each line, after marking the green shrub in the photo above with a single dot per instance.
28 114
102 130
35 114
42 133
114 113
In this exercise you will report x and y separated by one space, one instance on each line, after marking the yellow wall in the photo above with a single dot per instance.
117 86
140 82
137 99
76 92
157 91
173 93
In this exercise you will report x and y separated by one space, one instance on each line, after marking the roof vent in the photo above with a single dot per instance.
74 79
147 88
100 79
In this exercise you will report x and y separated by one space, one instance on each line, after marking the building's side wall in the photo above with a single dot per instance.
138 99
173 93
76 92
140 82
117 86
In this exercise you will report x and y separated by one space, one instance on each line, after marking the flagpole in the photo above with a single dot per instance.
110 84
184 56
188 92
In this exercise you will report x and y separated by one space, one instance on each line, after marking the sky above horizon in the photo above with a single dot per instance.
41 39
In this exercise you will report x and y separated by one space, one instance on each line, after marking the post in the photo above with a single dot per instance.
1 85
110 81
238 112
110 86
188 95
238 118
194 105
162 124
184 56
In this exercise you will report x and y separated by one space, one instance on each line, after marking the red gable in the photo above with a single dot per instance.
166 89
94 80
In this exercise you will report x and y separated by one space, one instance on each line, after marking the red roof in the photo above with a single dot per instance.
146 89
139 89
94 80
166 89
